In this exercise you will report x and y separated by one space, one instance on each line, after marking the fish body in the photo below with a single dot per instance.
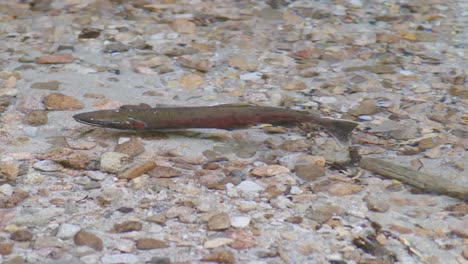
229 116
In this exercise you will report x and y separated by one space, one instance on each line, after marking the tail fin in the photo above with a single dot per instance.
340 129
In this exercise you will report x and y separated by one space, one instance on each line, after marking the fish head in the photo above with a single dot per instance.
117 119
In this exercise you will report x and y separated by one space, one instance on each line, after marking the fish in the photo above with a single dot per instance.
224 116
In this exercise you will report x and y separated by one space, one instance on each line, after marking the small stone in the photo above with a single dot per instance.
34 178
224 256
244 63
137 170
67 231
217 242
114 162
183 26
219 221
429 143
310 167
376 204
322 213
269 170
89 33
58 101
149 243
400 229
249 187
10 83
133 147
164 172
195 63
240 221
84 238
74 160
295 86
47 165
243 239
126 258
116 47
59 58
50 85
366 107
191 81
159 260
343 188
21 235
9 170
294 219
140 182
6 189
96 175
36 118
16 197
127 226
157 218
6 248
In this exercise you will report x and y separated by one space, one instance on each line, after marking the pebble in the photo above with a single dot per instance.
50 85
249 187
81 144
120 258
183 26
217 242
36 118
21 235
6 248
191 81
322 213
85 238
34 178
59 101
219 221
47 165
132 147
310 167
6 189
150 243
9 170
96 175
244 63
114 162
240 221
343 188
223 256
164 172
377 204
127 226
16 197
157 218
137 170
269 171
59 58
67 231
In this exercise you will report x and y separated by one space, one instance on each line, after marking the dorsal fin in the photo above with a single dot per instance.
138 106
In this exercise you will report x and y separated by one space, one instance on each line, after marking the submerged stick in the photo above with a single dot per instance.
417 179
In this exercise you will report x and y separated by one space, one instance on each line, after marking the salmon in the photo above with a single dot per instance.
225 116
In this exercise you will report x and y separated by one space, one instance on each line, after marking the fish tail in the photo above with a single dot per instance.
339 129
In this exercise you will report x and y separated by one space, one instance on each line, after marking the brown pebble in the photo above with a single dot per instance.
133 147
428 143
59 58
343 188
6 248
164 172
269 170
401 229
224 256
127 226
149 243
58 101
84 238
36 118
157 218
16 197
21 235
75 160
294 219
310 167
219 221
9 171
50 85
210 166
137 170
